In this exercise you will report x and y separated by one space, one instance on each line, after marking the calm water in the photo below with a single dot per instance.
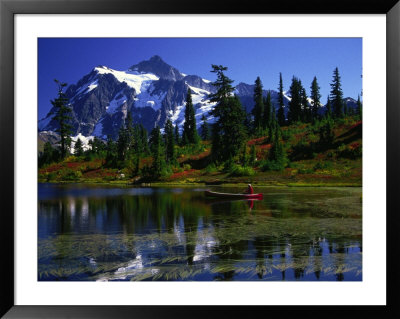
110 233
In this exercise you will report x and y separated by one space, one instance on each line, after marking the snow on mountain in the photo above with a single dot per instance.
133 79
152 91
201 104
116 102
85 142
147 97
87 87
287 96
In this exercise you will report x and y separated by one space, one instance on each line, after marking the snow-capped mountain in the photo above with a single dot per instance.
151 90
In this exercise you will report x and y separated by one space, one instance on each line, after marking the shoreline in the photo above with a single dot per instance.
192 184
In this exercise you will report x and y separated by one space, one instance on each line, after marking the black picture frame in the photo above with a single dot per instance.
9 8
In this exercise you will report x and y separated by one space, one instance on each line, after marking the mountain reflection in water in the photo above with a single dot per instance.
108 233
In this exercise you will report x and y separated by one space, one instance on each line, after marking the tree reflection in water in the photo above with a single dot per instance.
99 233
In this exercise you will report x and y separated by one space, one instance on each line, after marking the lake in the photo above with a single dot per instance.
109 233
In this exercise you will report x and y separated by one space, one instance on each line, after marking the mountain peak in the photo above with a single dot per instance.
156 58
157 66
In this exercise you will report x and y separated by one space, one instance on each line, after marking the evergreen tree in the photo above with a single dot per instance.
62 116
328 108
48 155
295 105
281 111
136 161
189 135
336 95
272 127
97 146
78 147
144 140
315 98
177 136
223 84
205 129
170 155
130 133
68 142
267 111
137 140
359 107
248 121
140 142
305 107
156 152
326 134
278 153
258 109
111 156
228 131
122 144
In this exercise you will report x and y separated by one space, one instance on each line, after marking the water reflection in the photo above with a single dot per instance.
99 233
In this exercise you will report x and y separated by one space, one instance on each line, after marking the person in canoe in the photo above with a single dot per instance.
247 194
249 189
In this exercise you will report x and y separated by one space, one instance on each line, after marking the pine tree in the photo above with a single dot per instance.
336 95
278 153
295 104
130 133
328 113
258 109
140 142
137 141
267 111
177 136
189 135
228 131
78 147
97 146
326 134
62 116
281 111
223 84
111 156
156 152
205 129
144 140
48 155
272 127
315 98
170 155
305 106
122 144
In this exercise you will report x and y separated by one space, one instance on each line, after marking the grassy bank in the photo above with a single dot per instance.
337 165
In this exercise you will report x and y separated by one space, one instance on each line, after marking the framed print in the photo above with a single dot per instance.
161 159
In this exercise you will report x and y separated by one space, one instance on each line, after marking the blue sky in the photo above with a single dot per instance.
69 59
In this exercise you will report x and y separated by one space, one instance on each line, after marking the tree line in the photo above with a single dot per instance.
228 135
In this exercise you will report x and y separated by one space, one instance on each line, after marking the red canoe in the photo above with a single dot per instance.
231 195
